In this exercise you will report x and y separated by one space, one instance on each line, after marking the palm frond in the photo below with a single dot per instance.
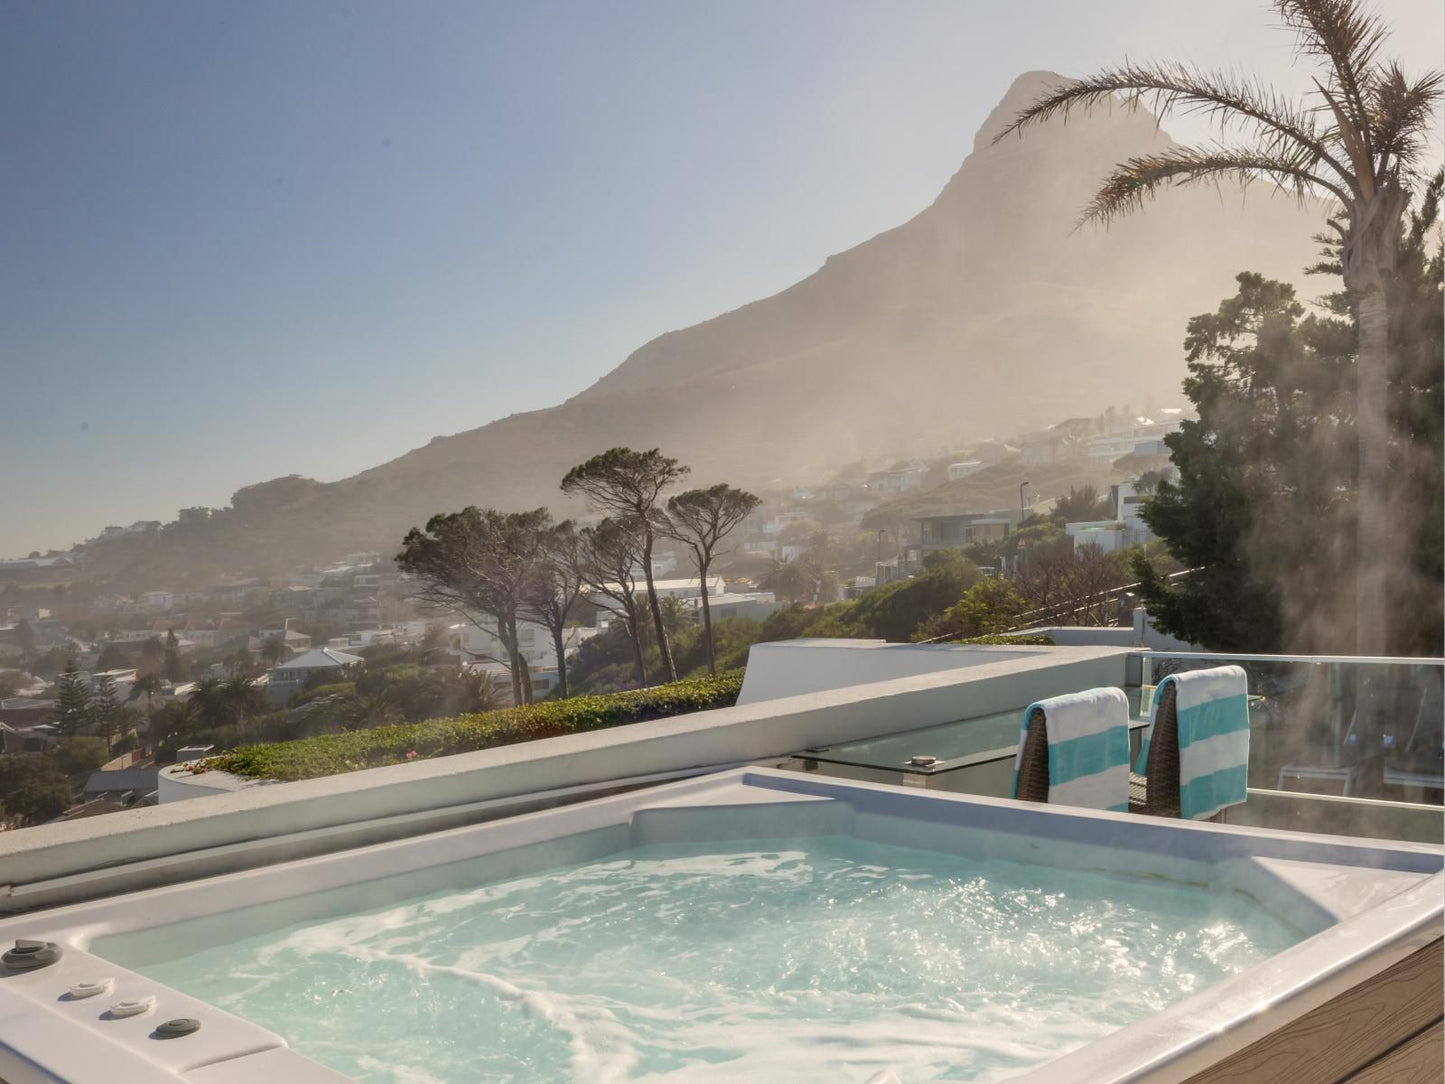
1343 33
1170 87
1140 179
1403 112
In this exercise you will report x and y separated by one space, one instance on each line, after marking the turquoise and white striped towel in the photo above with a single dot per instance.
1088 749
1213 708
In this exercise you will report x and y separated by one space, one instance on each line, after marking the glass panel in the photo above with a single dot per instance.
1348 728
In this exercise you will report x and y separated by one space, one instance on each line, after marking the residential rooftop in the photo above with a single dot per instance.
807 709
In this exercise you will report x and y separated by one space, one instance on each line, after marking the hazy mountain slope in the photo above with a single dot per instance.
984 314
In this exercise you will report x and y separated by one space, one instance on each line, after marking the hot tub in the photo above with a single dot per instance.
753 924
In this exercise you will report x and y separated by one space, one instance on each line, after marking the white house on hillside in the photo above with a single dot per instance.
290 677
964 469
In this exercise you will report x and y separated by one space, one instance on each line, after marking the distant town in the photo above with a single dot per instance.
100 688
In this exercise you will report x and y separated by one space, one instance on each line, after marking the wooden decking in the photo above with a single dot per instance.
1384 1031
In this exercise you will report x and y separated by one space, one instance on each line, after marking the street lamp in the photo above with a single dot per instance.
1022 486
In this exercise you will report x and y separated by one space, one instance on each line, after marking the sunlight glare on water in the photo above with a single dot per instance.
823 959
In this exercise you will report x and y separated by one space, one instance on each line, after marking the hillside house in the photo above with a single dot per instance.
964 469
959 529
1040 449
290 677
295 641
902 477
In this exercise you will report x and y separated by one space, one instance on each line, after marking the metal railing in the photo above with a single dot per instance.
1069 607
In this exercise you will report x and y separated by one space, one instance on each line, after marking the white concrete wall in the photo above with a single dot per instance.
794 667
177 784
1141 635
1152 638
165 843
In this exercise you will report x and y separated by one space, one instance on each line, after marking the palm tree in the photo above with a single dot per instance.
209 700
240 697
176 719
1358 143
147 685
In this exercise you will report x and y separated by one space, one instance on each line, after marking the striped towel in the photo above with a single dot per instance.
1213 710
1088 748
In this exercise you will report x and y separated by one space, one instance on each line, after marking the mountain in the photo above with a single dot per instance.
985 314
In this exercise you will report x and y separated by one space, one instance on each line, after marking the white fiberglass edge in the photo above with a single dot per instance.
1322 884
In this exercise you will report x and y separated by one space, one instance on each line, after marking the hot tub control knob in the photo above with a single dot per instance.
90 988
133 1006
174 1029
29 955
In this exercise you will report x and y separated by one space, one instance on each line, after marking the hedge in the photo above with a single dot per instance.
331 754
1031 640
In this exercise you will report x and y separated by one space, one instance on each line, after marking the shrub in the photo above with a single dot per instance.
330 754
76 756
1031 640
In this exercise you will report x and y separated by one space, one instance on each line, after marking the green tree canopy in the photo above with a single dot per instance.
1084 504
627 486
33 789
1359 142
1265 509
480 564
607 557
77 756
700 519
172 664
72 712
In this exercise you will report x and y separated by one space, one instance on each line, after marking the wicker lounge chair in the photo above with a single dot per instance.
1034 762
1157 792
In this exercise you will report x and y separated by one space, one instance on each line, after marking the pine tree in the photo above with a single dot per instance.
72 701
172 666
105 709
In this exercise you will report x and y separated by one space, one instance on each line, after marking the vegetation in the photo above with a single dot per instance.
330 754
607 559
1034 640
1084 504
1359 144
11 682
78 756
1264 508
700 519
72 701
33 789
485 566
112 720
391 685
626 485
988 607
991 488
553 588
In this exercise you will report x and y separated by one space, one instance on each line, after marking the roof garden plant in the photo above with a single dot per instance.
331 754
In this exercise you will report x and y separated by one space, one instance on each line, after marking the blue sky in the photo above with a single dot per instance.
250 239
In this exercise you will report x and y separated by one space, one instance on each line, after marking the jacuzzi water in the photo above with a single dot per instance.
822 959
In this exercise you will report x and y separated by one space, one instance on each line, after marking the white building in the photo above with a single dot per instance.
291 676
1108 535
363 638
964 469
756 605
1127 501
483 651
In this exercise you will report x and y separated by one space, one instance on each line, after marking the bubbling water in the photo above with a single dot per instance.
824 959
